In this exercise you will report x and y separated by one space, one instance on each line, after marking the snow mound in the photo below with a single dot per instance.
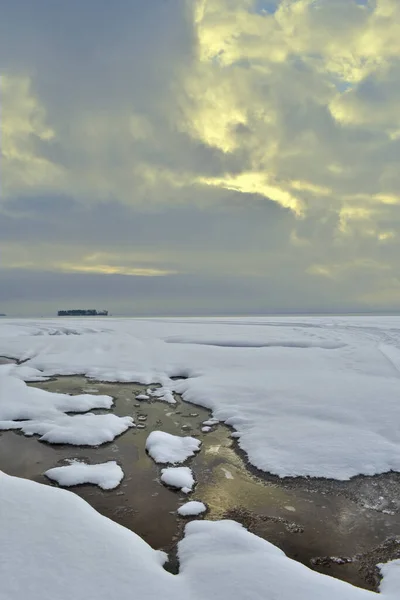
80 430
22 372
106 475
21 402
38 412
166 448
222 560
191 509
53 545
178 477
164 394
210 422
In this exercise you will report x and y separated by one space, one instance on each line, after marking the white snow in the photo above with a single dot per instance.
106 475
22 372
166 448
34 411
206 429
191 509
164 394
19 401
222 560
210 422
178 477
53 545
142 397
306 396
80 430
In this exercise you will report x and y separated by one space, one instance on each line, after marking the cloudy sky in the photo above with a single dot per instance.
200 156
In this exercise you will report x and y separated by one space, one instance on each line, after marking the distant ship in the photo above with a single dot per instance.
2 315
91 312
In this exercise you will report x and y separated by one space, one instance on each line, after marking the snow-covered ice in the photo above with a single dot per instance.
106 475
164 394
53 545
34 411
166 448
22 372
192 509
19 401
79 430
206 429
178 477
210 422
306 396
142 397
222 560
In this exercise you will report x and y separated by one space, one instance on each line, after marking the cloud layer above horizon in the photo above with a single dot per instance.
200 156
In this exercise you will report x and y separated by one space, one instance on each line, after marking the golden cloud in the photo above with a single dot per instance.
339 270
256 183
51 258
261 89
104 269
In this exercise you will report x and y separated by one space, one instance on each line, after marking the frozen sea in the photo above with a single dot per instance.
305 396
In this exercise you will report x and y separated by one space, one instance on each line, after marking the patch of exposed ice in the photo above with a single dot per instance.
227 473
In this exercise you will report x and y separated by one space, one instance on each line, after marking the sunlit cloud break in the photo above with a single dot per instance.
277 118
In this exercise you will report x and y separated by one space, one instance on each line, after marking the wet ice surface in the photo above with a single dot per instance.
339 528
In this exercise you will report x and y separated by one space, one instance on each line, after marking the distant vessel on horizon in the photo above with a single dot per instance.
90 312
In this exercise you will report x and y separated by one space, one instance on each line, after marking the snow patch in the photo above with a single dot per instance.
166 448
210 422
80 430
106 475
191 509
178 477
38 412
164 394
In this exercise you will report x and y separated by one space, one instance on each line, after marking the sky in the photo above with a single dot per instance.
192 157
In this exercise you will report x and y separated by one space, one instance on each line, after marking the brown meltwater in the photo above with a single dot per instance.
327 525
